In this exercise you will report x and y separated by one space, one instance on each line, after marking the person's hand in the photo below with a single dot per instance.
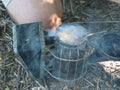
26 11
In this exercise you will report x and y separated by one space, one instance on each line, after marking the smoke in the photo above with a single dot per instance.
71 33
70 51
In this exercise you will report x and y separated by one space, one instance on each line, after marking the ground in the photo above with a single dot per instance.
93 14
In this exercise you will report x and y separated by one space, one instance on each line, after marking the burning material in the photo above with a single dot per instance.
71 34
70 52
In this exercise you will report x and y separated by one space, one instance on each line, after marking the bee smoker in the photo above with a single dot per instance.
70 52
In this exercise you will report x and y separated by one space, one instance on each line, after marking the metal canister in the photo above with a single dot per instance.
70 52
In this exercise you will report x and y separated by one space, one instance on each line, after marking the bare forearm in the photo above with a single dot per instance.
26 11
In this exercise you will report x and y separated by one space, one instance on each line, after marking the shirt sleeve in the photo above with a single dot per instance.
6 2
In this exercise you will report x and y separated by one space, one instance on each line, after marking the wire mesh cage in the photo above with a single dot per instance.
70 53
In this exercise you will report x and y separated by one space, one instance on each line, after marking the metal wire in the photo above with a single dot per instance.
70 52
70 68
62 59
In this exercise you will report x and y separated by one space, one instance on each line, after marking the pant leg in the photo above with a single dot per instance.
28 45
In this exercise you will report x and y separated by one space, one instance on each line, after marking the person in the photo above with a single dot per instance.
26 39
49 12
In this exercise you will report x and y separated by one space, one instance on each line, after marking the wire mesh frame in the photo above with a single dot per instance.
63 79
63 67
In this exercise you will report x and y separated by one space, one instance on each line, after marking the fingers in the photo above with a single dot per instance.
55 21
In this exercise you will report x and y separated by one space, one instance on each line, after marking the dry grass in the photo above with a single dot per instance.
93 14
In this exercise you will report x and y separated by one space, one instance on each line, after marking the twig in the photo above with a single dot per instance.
111 17
98 82
109 12
9 64
26 88
100 22
89 82
18 78
71 7
84 13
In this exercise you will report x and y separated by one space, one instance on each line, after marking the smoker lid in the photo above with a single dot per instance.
71 34
110 45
